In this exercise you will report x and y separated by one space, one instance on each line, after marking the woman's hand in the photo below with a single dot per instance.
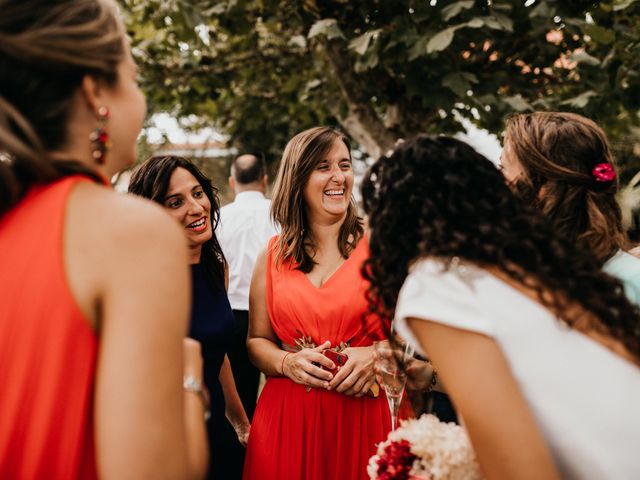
419 373
302 367
242 430
234 410
356 376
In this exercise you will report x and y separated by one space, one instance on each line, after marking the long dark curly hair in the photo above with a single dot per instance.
151 180
438 197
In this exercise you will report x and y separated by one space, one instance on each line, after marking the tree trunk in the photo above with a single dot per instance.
362 121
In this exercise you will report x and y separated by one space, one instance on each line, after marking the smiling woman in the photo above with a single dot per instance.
190 206
191 200
328 189
314 420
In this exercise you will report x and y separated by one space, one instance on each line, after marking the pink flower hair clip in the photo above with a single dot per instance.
603 172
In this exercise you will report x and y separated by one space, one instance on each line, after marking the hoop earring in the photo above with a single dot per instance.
100 140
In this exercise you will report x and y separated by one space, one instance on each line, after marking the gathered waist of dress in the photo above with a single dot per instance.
307 342
287 347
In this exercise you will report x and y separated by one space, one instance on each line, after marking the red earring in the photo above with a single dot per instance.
100 141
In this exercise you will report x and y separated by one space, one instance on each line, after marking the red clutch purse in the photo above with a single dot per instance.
338 359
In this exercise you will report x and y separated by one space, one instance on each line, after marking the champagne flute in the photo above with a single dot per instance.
391 366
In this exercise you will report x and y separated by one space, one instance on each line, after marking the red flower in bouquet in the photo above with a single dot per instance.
425 449
396 461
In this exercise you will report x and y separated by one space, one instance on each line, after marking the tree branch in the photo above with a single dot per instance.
362 121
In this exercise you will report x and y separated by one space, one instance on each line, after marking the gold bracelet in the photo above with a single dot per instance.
282 364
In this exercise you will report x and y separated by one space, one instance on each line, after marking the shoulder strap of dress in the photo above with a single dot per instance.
64 186
51 200
272 246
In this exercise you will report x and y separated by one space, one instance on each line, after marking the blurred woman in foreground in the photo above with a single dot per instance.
94 284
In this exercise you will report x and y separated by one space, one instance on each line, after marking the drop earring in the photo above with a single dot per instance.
100 140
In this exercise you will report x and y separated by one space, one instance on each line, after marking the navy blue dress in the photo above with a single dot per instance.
212 325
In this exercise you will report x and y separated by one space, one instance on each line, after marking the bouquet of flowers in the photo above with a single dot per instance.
425 449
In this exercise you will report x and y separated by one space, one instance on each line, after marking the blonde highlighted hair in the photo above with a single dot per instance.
301 155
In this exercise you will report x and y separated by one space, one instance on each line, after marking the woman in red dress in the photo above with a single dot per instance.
93 285
308 296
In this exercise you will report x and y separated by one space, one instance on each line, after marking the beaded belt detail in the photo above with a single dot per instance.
305 341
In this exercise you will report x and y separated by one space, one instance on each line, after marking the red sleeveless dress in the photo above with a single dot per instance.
320 434
47 347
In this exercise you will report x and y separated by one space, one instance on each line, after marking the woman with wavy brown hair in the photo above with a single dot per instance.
538 348
97 379
562 163
314 420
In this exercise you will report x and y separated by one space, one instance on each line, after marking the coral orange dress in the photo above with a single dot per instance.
317 434
47 347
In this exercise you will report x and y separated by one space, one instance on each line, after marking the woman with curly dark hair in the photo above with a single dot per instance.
528 335
562 163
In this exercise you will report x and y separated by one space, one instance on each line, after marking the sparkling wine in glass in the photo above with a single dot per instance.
393 381
391 364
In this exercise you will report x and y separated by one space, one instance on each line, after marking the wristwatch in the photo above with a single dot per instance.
192 384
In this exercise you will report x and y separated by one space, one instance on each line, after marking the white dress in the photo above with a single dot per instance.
586 400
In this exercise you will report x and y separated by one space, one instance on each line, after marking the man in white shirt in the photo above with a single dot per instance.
244 230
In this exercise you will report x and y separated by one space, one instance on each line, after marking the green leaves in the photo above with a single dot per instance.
583 57
600 34
518 103
327 27
622 4
473 23
361 43
274 67
505 22
579 101
459 82
454 9
543 10
441 40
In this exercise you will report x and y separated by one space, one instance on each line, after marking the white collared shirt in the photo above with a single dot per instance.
245 228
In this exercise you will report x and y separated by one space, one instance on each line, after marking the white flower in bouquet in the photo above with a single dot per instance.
425 449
